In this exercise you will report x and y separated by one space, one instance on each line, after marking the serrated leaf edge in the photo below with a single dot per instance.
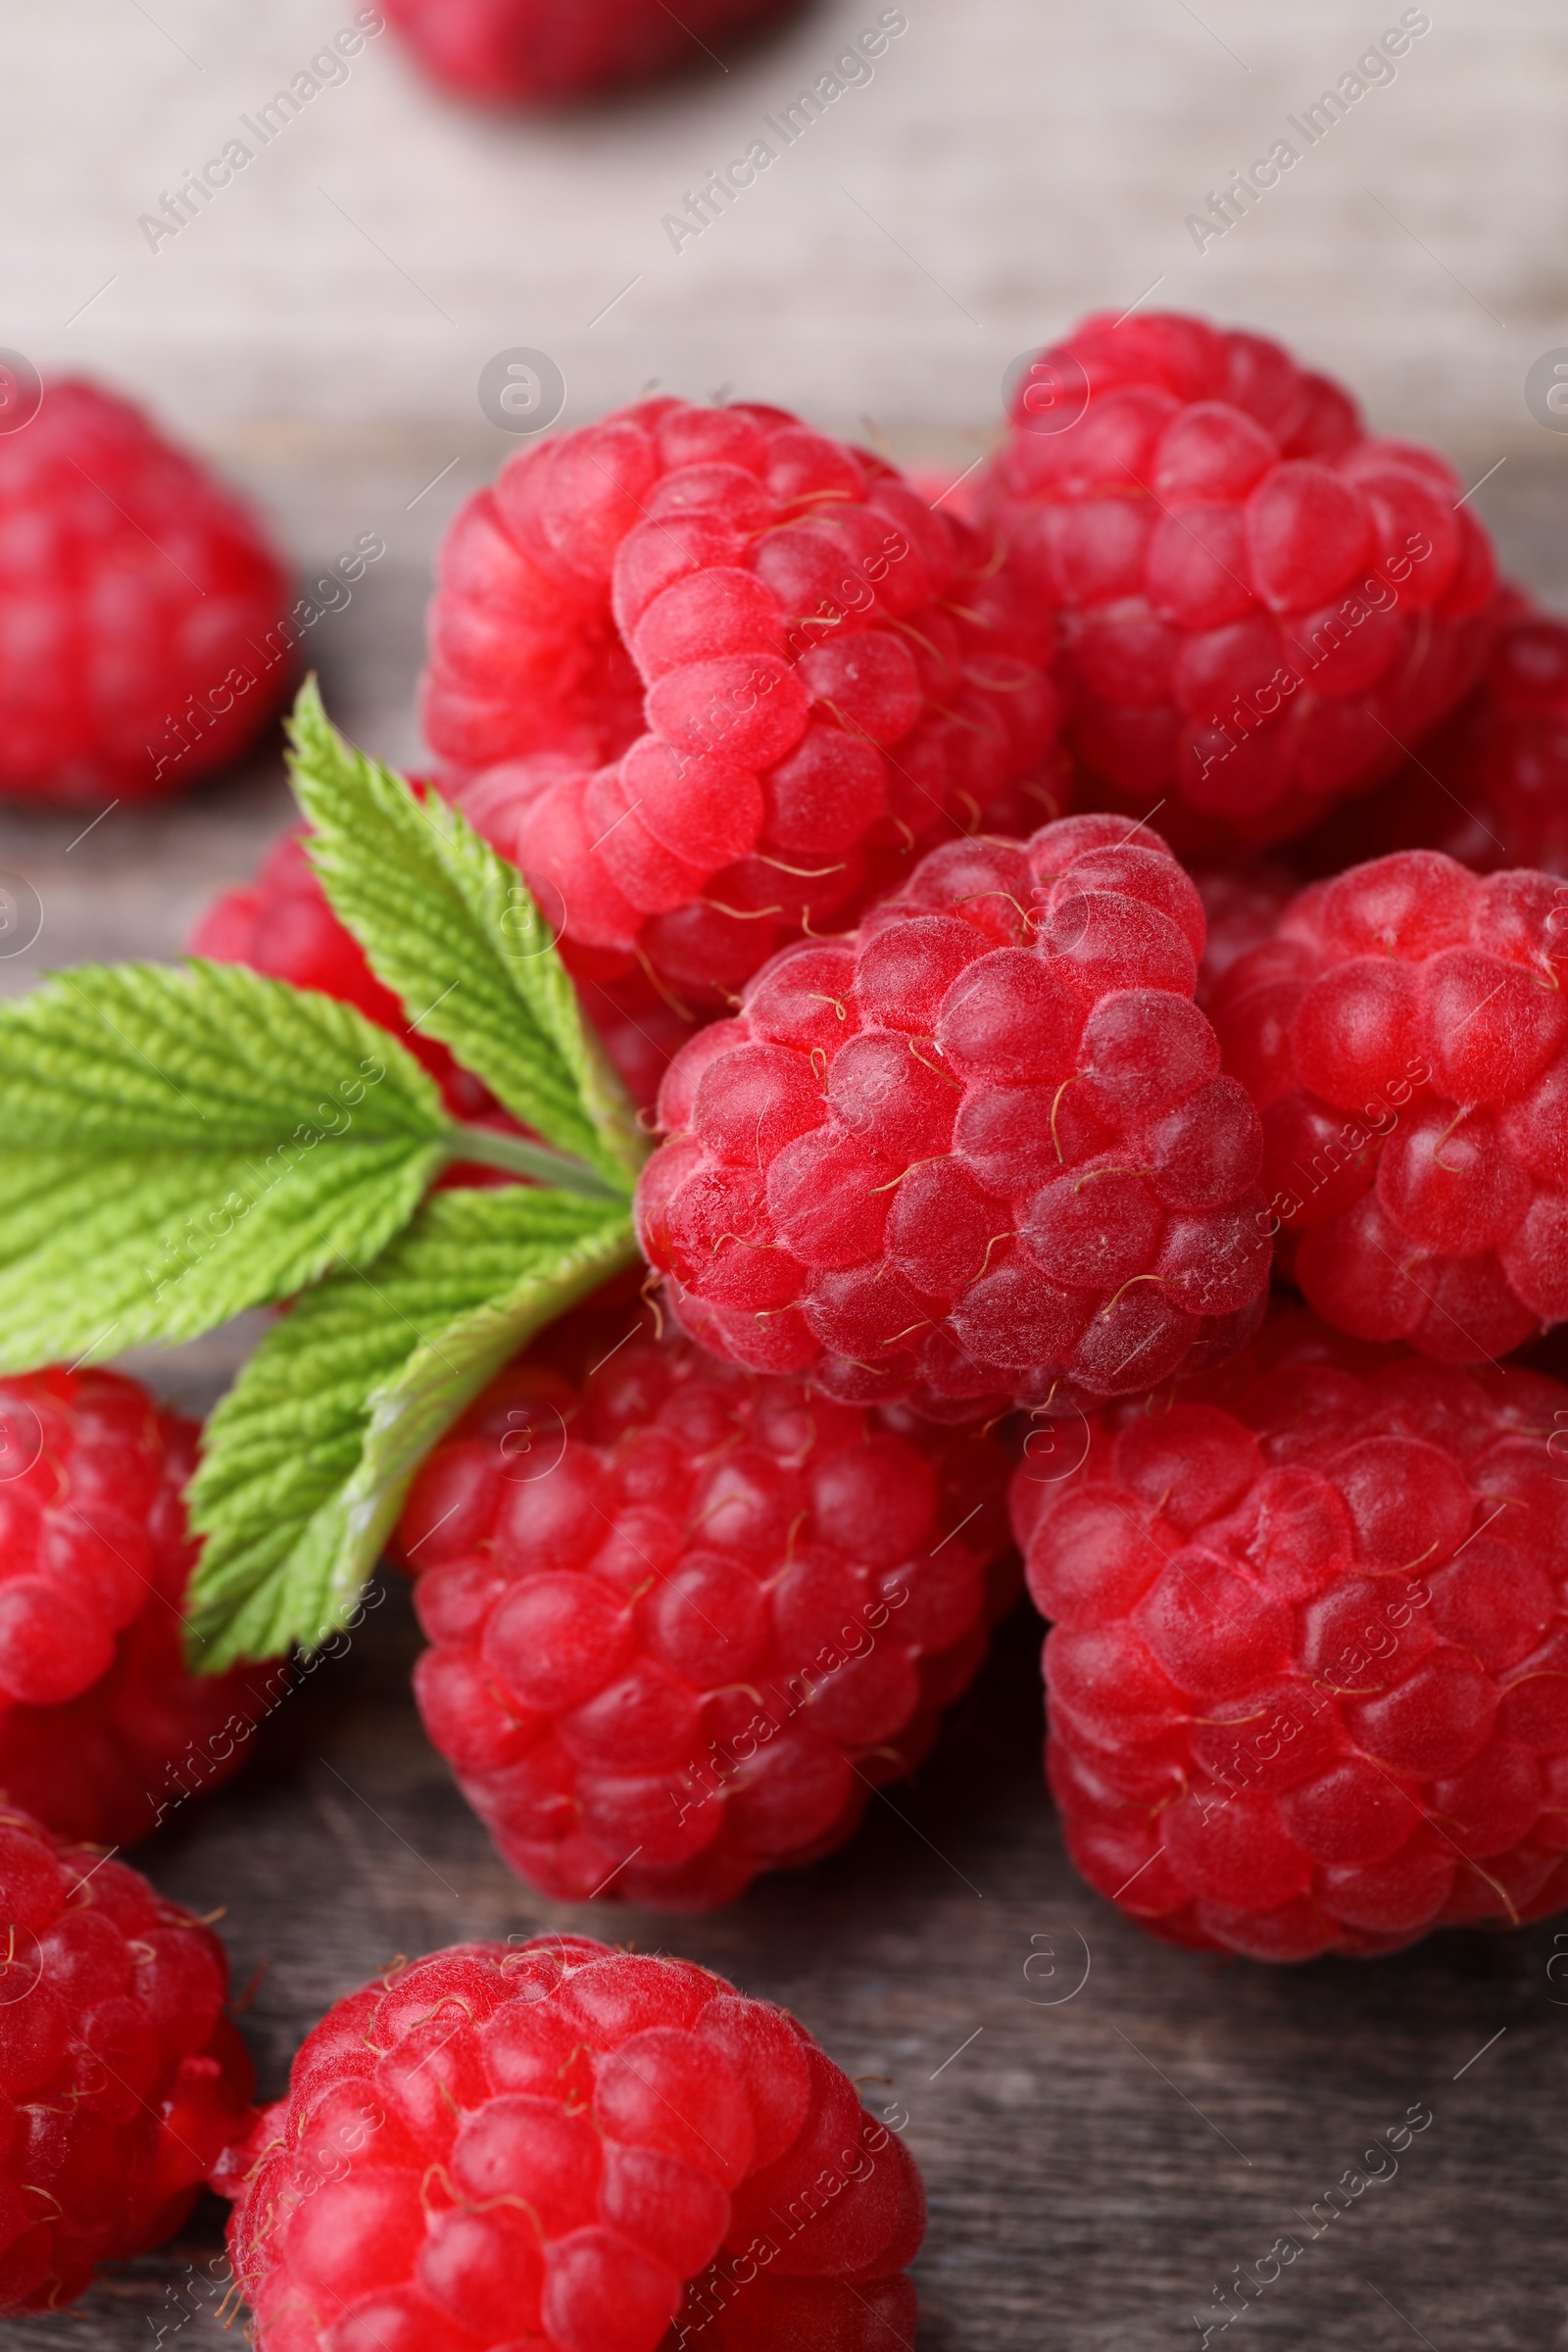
350 1528
589 1113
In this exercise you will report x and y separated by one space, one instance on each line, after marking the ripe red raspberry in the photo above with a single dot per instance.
121 2081
708 677
1405 1039
1242 908
1262 605
684 1620
136 597
977 1149
1490 787
558 2144
102 1727
1308 1679
539 53
283 925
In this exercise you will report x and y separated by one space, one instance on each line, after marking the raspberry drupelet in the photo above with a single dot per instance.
1308 1677
103 1729
977 1149
1242 908
684 1620
536 53
1489 786
1507 759
283 925
136 595
121 2080
1405 1038
557 2144
1262 608
709 678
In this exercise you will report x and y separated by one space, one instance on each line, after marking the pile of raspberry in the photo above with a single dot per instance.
558 2144
1308 1673
979 1149
136 599
710 678
684 1620
1405 1036
121 2081
103 1729
538 53
1262 608
282 924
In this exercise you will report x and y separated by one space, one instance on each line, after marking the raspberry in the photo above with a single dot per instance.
1307 1683
1241 910
684 1620
1262 604
978 1148
1490 787
553 2143
121 2081
539 53
1405 1041
102 1729
708 678
283 925
133 590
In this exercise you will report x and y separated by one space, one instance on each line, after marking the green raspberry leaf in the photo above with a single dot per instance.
451 929
180 1142
306 1461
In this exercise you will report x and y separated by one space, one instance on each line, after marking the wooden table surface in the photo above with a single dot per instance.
1106 2127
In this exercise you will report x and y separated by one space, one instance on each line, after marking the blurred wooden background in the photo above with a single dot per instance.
1012 163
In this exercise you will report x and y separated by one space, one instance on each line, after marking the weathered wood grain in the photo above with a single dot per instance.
1097 2164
